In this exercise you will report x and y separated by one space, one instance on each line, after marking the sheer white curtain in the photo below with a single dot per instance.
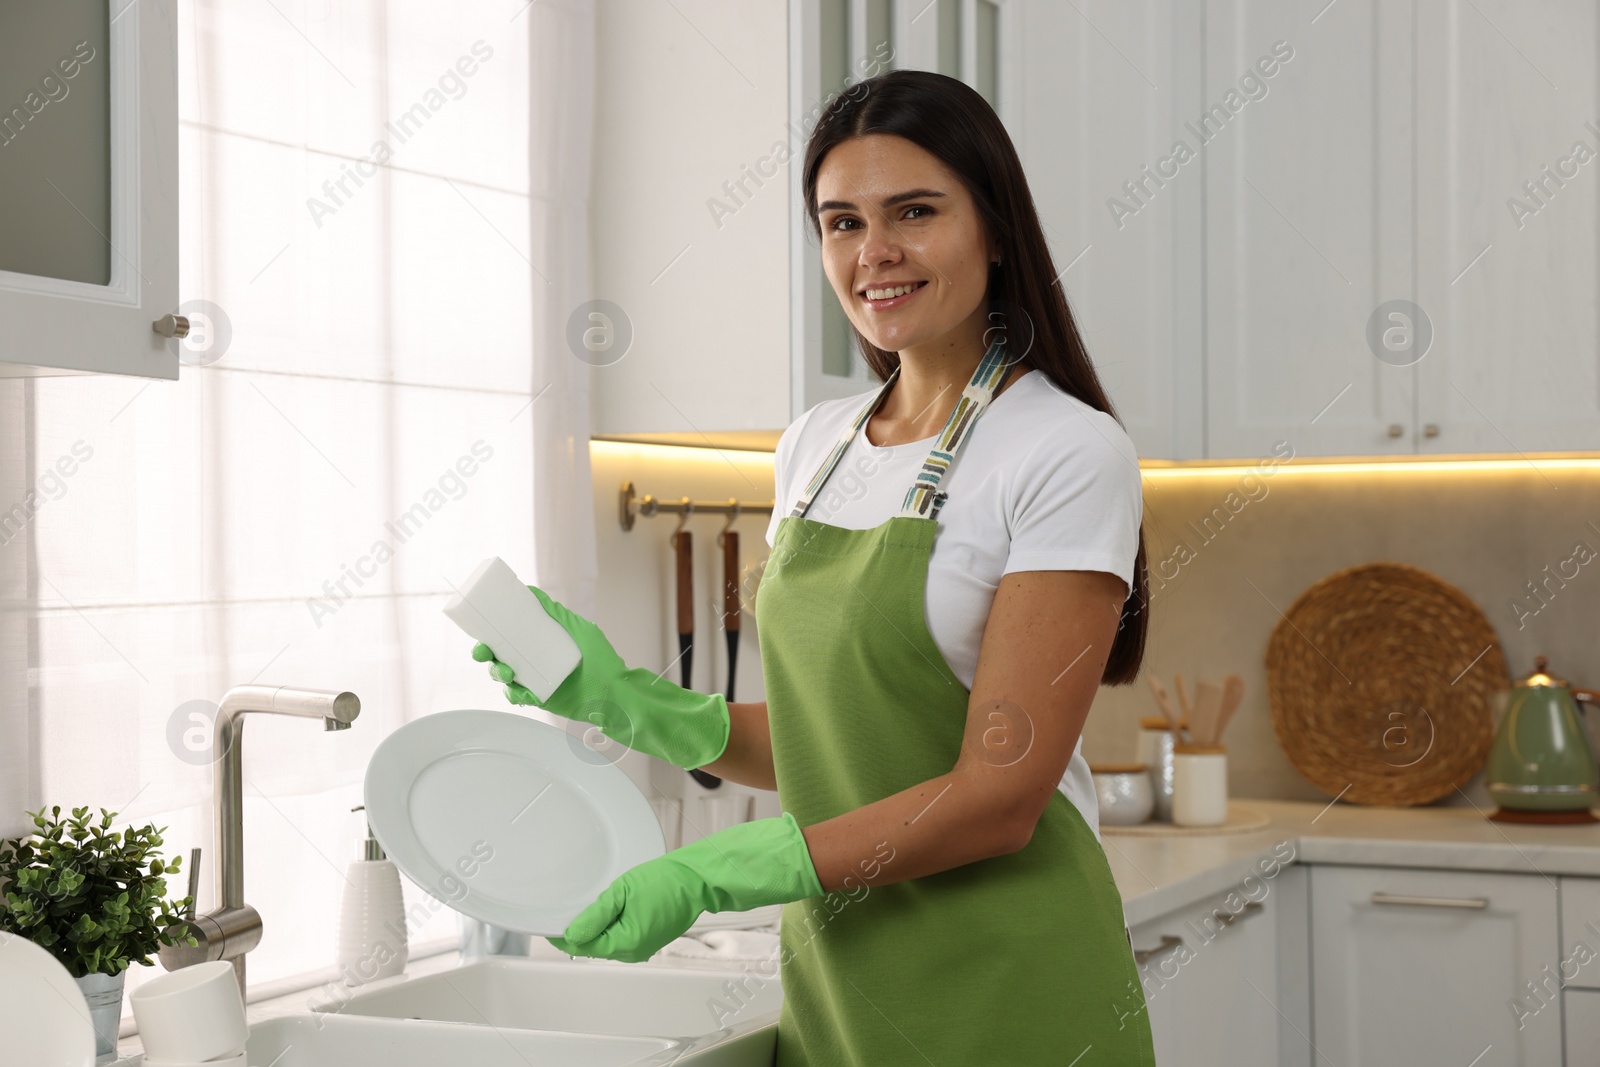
385 204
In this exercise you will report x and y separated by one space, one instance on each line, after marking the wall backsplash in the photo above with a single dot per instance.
1490 532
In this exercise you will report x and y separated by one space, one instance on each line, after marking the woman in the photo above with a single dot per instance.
962 567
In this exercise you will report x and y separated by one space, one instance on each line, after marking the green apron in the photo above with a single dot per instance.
1016 960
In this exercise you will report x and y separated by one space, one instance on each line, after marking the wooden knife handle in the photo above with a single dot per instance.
684 542
730 581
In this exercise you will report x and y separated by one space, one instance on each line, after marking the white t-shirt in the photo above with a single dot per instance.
1043 482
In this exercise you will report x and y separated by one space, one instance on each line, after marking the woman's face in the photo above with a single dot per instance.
893 215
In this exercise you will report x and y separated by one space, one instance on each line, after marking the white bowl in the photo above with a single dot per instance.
1125 795
191 1015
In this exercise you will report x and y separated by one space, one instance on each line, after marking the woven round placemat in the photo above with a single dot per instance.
1378 678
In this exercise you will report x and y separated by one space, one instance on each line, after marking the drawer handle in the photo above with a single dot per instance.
1168 943
1228 918
1470 903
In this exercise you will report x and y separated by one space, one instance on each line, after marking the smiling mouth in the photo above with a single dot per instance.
891 296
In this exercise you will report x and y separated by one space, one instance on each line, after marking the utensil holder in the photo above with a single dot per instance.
1199 784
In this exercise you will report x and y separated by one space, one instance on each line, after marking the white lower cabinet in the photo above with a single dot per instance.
1582 1014
1580 933
1198 966
1422 966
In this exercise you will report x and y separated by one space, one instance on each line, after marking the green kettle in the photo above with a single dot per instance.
1541 767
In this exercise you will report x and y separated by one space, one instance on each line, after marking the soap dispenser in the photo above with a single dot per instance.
372 917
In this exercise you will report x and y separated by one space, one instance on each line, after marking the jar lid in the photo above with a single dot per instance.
1158 722
1197 748
1117 768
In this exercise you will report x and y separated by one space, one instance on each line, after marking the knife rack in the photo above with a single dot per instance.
631 506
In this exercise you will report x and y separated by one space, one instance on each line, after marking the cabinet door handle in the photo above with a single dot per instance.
1228 918
1470 903
176 326
1395 429
1431 430
1142 956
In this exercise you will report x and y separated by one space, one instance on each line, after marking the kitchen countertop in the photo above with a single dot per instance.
1157 874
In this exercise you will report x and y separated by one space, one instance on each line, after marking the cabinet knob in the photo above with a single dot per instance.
1431 430
1395 429
172 326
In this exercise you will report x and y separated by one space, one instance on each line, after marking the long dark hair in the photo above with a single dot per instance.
950 121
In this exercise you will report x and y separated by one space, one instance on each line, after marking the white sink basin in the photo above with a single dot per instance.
312 1040
514 1012
588 997
333 1041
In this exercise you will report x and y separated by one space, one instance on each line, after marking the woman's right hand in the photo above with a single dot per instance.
598 666
634 707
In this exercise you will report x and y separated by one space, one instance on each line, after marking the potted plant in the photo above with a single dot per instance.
93 897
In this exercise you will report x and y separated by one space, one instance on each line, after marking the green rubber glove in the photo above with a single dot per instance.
745 866
631 706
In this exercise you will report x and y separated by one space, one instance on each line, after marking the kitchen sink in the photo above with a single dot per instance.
519 1012
319 1040
589 997
333 1041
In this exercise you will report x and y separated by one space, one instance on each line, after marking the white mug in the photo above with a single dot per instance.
191 1015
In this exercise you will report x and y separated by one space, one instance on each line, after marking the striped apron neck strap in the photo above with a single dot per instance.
923 499
814 486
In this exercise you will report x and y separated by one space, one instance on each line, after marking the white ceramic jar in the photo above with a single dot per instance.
1154 749
1199 784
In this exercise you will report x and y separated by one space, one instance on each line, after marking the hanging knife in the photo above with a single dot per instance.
730 603
683 541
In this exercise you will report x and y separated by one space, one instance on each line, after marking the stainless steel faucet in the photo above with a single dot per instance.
234 928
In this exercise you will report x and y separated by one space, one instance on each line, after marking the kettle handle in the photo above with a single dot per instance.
1588 696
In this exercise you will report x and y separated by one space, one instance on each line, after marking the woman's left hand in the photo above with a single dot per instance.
745 866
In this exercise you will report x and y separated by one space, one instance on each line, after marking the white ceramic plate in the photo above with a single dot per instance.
43 1016
737 920
504 818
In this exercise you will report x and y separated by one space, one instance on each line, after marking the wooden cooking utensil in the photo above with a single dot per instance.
1183 699
1232 695
1164 702
1207 703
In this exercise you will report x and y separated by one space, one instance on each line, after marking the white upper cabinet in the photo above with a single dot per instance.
705 246
89 170
1100 101
1508 184
689 217
1307 163
1362 228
